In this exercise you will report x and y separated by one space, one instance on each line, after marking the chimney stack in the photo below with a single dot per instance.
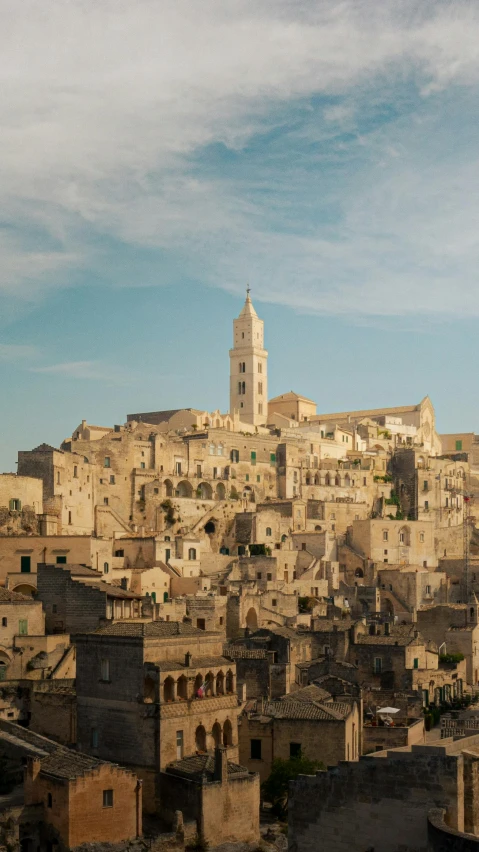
221 765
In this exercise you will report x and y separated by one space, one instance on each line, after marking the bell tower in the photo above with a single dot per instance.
249 367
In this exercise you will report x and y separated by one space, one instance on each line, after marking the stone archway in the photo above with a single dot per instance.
252 619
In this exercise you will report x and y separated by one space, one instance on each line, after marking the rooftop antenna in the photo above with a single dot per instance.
248 290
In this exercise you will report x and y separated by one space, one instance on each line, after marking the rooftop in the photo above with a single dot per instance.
7 596
151 629
200 765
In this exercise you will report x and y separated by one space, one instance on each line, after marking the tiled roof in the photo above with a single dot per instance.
288 708
46 448
64 763
384 640
7 596
150 629
239 653
309 693
327 625
203 764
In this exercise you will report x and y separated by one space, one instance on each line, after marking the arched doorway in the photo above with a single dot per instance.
168 486
252 619
359 572
25 589
220 491
184 489
210 528
204 491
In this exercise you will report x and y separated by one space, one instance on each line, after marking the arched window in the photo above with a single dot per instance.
347 480
308 479
106 567
239 387
209 684
283 538
243 387
216 732
220 683
316 479
404 536
192 554
337 480
268 532
200 738
183 687
199 691
169 689
227 733
327 479
229 681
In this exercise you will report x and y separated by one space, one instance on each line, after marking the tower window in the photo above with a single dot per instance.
260 387
260 407
260 368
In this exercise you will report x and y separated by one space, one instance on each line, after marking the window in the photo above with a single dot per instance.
303 545
260 388
401 537
258 478
179 745
105 501
458 446
243 387
23 627
253 456
385 535
274 602
428 590
260 408
69 518
426 505
49 801
156 491
142 466
75 471
425 485
15 505
4 622
247 477
167 554
119 552
58 478
255 749
234 456
105 670
192 554
378 665
421 537
106 568
269 576
107 798
25 564
260 368
272 458
258 575
268 531
106 463
61 560
112 480
294 749
94 737
416 663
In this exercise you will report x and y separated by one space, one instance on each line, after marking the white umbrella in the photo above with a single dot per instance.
388 710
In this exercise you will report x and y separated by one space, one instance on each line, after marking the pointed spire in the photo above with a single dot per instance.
248 309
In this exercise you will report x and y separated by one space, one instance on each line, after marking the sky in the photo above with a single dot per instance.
158 156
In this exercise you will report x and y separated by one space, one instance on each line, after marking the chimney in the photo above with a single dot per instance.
387 628
221 765
188 658
416 634
33 767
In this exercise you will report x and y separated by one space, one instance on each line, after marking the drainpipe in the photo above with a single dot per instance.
139 826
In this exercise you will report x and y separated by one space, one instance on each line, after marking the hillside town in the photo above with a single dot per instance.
192 602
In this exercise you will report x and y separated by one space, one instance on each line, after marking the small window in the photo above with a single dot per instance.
4 622
23 627
255 749
94 737
421 537
272 458
49 800
156 491
426 505
142 465
106 568
112 479
105 670
107 798
235 456
268 531
458 446
253 456
258 478
385 535
274 602
15 505
75 472
61 560
269 577
105 501
428 590
192 554
25 564
416 663
294 749
258 575
119 552
107 462
69 518
247 477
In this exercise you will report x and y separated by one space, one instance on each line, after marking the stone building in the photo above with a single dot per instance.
431 487
71 798
308 721
20 616
220 796
76 599
454 628
417 798
398 542
152 693
249 368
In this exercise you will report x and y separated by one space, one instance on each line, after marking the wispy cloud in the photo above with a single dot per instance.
16 352
91 370
349 192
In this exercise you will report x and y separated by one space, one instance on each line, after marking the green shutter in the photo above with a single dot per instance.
458 446
23 627
272 458
11 505
253 456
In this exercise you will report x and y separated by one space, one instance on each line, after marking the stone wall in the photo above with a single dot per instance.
70 606
380 803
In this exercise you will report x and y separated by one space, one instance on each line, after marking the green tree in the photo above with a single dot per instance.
276 788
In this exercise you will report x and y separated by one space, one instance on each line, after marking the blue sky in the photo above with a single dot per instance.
157 156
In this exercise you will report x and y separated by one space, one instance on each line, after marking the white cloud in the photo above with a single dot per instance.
105 104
